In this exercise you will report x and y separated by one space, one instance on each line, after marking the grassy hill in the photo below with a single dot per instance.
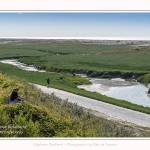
43 115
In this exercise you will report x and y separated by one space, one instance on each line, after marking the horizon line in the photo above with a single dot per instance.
81 38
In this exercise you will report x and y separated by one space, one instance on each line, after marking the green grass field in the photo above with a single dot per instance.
78 56
64 57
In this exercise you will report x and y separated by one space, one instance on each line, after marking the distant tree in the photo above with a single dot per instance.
149 91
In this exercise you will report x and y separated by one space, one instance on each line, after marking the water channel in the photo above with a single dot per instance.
20 65
133 92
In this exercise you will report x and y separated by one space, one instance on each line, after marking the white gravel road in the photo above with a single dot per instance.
112 111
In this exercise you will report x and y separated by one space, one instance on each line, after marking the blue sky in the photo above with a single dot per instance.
74 24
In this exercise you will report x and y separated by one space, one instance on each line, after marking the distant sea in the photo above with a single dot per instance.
86 38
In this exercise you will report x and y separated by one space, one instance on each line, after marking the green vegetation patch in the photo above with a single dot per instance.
144 78
44 115
69 55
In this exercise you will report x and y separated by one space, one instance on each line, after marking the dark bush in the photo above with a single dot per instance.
96 74
89 72
126 75
115 73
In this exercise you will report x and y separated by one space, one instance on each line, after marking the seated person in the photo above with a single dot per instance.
13 97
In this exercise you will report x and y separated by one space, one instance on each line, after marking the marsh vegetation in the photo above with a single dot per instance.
61 59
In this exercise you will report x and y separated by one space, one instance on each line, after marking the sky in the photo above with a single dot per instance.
75 24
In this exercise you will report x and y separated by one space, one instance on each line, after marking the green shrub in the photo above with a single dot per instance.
144 78
36 120
18 126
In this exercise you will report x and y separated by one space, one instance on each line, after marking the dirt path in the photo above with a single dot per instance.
101 108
